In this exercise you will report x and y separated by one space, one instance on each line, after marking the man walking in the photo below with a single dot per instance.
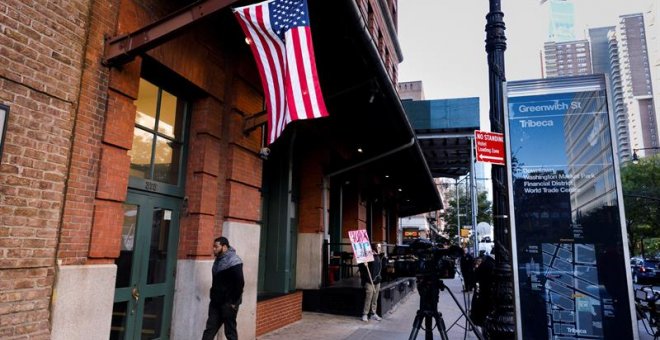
226 290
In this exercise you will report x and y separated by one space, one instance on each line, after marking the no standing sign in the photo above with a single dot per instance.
490 147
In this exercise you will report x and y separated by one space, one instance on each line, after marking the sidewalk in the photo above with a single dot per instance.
397 324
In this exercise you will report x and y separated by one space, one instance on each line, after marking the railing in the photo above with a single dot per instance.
338 263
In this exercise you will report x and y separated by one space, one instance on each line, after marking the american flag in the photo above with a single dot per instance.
281 42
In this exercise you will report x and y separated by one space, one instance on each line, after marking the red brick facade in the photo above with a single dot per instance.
40 79
278 312
379 27
65 167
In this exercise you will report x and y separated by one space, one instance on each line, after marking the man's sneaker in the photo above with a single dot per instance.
376 317
365 318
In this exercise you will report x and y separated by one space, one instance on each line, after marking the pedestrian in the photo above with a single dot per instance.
467 270
483 300
226 290
372 287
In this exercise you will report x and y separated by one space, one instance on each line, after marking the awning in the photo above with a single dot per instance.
444 128
365 110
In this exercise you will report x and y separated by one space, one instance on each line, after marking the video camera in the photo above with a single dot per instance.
435 261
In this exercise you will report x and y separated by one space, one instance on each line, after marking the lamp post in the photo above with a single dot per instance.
500 323
635 159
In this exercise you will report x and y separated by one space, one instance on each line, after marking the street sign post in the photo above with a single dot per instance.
490 147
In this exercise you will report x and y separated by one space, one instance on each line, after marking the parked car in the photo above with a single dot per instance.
645 270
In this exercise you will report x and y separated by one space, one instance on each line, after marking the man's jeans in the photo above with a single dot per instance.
219 315
371 297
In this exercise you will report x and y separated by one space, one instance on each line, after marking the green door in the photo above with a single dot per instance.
145 268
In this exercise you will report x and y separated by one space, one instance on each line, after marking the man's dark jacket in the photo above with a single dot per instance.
228 281
375 268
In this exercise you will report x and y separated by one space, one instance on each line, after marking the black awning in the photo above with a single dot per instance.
447 151
365 110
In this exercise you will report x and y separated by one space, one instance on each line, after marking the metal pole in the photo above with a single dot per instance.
473 198
500 323
458 214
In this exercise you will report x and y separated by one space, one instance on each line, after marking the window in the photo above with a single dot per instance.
158 139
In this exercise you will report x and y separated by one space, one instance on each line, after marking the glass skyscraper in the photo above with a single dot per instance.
561 26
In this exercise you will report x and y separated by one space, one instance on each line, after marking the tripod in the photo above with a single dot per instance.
429 291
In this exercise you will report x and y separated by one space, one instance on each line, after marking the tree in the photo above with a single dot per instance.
641 196
484 210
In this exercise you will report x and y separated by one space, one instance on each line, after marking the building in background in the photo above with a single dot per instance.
600 56
569 58
445 128
413 90
629 57
605 60
561 20
636 81
652 21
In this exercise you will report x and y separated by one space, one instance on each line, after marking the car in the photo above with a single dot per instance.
645 270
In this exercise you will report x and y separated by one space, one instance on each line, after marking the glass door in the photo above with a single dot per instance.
145 268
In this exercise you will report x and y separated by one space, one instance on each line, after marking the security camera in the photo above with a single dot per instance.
264 153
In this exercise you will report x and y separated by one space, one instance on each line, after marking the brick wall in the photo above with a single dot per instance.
311 193
41 53
354 211
242 167
374 18
204 157
378 226
278 312
86 149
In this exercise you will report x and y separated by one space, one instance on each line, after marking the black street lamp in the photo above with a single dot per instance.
635 159
500 323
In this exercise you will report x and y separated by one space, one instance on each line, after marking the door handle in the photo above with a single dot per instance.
135 293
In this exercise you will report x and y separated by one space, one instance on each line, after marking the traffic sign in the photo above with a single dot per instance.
490 147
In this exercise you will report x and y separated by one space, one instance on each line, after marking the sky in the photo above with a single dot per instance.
443 41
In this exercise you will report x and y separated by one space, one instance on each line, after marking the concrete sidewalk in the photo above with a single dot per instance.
397 324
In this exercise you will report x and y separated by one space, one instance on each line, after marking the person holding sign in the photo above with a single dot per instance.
370 275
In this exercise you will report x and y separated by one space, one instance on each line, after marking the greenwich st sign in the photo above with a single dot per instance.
568 232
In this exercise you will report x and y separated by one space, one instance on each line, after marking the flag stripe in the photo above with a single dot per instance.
277 118
300 42
270 62
294 97
317 99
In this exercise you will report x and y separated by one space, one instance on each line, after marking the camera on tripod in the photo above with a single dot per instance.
435 261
